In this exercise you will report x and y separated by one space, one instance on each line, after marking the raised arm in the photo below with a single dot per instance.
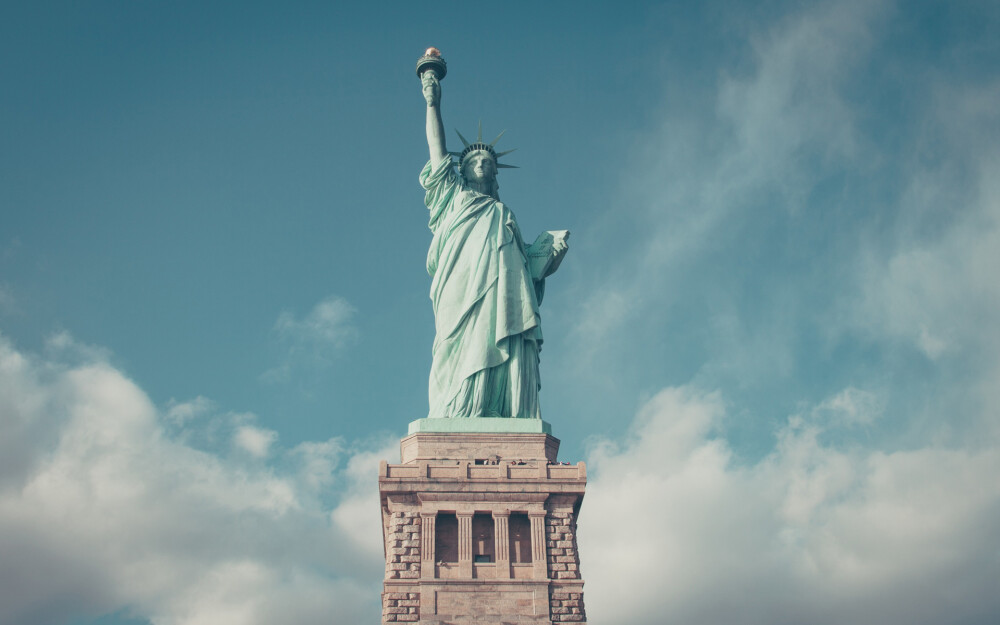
435 127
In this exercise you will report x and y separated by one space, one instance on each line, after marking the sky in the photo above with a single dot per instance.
775 339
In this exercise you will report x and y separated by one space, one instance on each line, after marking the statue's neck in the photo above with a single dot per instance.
485 187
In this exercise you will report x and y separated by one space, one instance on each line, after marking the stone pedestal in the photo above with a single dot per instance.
481 528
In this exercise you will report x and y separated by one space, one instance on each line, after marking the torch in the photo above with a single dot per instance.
431 61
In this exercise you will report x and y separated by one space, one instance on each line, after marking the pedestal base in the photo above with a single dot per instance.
481 425
481 528
478 448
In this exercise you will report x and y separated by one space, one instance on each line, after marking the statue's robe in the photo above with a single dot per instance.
488 332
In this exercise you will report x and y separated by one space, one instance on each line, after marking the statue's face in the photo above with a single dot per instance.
479 166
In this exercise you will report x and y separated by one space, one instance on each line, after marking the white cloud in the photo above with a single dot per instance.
26 393
329 322
359 510
101 508
318 461
181 413
254 440
675 530
63 347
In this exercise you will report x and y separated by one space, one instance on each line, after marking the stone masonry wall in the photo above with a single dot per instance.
400 607
567 607
564 564
402 562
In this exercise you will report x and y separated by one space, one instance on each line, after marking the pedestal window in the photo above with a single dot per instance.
446 537
520 538
483 539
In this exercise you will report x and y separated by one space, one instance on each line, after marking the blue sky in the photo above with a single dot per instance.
774 340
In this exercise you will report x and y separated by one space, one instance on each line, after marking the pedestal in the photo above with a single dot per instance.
480 527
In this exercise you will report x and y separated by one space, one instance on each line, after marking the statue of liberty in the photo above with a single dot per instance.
486 284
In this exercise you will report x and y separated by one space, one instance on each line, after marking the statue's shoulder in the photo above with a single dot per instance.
441 174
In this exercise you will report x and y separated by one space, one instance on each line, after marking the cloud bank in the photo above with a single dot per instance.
308 344
105 505
675 530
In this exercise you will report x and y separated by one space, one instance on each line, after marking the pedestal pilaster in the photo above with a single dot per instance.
538 544
465 545
501 524
427 527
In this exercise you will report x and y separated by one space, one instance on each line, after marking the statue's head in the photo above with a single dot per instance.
478 161
479 166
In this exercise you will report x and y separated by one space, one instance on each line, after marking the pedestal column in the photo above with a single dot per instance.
427 545
538 556
501 532
465 545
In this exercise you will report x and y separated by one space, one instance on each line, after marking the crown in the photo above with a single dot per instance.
478 144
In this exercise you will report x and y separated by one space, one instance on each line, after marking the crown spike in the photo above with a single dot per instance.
479 145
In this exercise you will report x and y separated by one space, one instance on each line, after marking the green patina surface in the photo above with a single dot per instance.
483 425
486 286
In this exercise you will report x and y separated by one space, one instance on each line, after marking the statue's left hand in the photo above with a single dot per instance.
559 248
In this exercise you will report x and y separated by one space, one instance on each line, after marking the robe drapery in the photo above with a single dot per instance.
487 326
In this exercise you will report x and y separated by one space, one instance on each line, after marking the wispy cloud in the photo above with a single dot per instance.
780 247
8 303
936 288
327 324
710 182
850 407
312 340
797 231
761 144
182 412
